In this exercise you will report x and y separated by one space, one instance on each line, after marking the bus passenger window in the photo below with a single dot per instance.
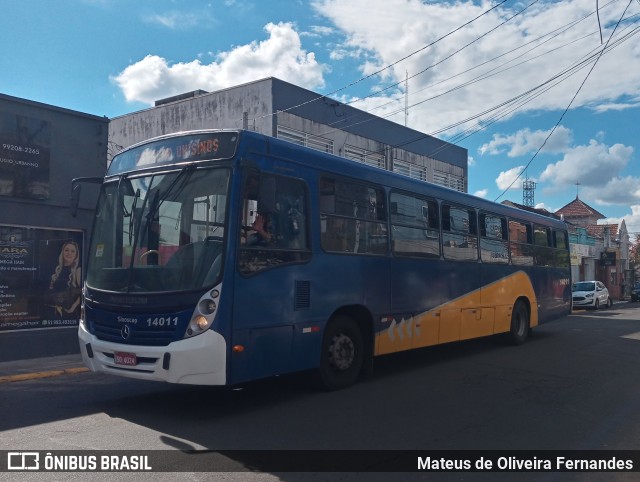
561 249
494 247
274 227
544 253
352 217
520 245
415 226
459 233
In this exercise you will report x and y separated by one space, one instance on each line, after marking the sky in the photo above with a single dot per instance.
544 90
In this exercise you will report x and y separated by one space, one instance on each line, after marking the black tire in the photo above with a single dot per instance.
609 303
519 323
342 355
596 306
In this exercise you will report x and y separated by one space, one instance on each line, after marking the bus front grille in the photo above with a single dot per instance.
132 335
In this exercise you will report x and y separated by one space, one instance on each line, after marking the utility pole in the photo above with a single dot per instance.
406 98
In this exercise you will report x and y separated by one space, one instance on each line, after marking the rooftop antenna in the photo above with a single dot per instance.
528 195
577 189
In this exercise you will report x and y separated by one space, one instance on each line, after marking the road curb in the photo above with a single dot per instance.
47 374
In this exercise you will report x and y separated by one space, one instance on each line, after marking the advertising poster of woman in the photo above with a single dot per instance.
63 296
40 277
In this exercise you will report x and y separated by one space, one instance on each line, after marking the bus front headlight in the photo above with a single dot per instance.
201 322
204 314
198 324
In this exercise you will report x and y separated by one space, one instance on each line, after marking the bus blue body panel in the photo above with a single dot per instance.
279 315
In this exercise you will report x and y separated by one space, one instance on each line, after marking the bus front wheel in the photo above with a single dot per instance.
519 323
342 354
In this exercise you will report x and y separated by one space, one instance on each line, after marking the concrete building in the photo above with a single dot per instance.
42 148
280 109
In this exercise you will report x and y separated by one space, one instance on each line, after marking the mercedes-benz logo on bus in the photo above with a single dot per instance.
125 332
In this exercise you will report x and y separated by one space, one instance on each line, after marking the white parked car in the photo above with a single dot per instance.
590 294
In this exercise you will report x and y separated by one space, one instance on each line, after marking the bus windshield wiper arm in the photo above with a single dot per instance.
157 202
132 215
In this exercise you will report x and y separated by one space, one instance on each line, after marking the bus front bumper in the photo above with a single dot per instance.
201 360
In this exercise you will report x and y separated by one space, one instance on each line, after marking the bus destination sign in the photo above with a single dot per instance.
196 147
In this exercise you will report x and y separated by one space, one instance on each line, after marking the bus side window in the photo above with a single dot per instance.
520 245
494 247
561 249
352 217
274 222
414 226
544 253
459 233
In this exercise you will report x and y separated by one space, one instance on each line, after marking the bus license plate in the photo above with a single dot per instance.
127 359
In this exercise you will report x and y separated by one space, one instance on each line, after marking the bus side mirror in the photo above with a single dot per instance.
75 191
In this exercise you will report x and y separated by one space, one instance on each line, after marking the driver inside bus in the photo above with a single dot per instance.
261 234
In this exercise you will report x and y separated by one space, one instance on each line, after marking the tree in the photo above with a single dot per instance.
634 256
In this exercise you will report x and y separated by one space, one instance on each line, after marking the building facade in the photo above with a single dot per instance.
280 109
42 148
598 251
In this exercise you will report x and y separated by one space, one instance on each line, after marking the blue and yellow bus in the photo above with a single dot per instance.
220 257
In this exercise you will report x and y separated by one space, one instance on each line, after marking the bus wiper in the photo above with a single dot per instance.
132 215
183 176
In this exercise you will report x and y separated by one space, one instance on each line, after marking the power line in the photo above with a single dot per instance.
509 106
571 102
452 54
483 76
390 65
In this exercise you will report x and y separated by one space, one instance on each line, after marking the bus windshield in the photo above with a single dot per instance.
159 232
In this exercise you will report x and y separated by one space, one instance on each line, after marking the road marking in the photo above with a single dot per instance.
47 374
633 336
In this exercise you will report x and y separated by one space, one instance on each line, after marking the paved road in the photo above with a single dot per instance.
572 386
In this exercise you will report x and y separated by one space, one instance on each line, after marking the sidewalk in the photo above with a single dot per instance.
30 369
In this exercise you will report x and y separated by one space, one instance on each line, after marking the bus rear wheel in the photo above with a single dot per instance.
519 323
342 354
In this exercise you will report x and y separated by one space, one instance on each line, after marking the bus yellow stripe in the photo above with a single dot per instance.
482 312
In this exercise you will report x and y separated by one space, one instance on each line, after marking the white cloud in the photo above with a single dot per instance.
544 206
318 31
618 190
506 178
377 33
281 55
615 106
400 27
594 164
481 193
174 20
526 141
631 220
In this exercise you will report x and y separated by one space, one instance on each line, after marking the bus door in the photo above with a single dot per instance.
272 283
